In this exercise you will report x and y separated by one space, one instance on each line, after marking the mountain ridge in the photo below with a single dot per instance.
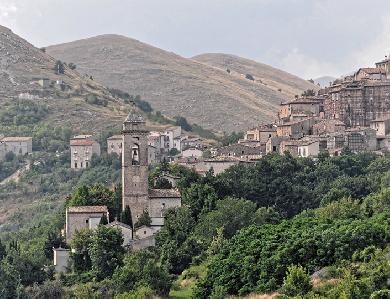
178 86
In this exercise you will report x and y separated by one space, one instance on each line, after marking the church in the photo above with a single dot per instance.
135 188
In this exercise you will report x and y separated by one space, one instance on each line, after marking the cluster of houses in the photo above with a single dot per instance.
19 146
133 146
168 145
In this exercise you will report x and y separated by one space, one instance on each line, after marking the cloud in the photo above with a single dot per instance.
307 67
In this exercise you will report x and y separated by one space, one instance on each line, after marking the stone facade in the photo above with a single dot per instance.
114 145
135 190
126 230
82 148
20 146
261 133
61 259
83 217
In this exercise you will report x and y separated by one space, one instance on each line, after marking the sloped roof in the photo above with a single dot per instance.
115 137
82 142
88 209
13 139
164 193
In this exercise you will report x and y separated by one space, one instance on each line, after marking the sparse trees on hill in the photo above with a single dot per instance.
249 77
309 93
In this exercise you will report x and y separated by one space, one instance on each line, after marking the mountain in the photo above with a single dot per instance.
324 81
199 89
22 66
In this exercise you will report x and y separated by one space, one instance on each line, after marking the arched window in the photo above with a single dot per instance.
135 154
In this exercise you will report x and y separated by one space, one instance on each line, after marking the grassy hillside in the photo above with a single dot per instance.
204 94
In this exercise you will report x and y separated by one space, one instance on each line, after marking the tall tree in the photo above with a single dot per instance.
126 216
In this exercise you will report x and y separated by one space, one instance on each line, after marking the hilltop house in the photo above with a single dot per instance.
82 147
20 146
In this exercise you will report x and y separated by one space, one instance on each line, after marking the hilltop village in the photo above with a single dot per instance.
352 114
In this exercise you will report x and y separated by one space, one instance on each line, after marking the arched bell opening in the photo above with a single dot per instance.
135 159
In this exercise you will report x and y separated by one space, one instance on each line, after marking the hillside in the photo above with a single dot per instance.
21 67
205 94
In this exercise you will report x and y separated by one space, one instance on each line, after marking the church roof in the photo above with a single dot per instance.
164 193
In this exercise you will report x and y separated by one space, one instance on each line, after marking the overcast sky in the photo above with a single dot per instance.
309 38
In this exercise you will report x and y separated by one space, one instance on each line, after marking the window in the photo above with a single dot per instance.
144 232
86 164
75 164
86 221
81 164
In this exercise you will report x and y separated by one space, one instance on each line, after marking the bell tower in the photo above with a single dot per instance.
135 165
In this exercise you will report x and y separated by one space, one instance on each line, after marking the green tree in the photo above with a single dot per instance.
141 268
183 123
103 220
106 251
81 241
162 183
200 198
126 216
144 219
297 281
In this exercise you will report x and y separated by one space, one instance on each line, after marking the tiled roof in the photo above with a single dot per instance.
164 193
88 209
117 223
81 142
11 139
115 137
372 70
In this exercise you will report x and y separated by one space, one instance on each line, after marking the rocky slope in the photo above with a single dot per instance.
198 89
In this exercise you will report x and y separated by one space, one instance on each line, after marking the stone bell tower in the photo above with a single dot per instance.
135 165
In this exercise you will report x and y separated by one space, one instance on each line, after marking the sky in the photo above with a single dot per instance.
309 38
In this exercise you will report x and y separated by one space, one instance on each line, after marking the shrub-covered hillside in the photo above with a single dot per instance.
293 227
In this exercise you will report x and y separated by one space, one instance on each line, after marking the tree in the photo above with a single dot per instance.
297 281
249 77
126 216
142 268
106 251
2 251
81 241
103 220
200 198
309 93
162 183
144 219
59 67
183 123
72 66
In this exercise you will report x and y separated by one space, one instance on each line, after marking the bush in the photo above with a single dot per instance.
297 281
249 77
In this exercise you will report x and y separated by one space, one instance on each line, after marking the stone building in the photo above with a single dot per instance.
296 129
20 146
135 189
301 108
308 148
261 133
126 230
381 126
241 151
328 126
82 148
114 145
82 217
273 144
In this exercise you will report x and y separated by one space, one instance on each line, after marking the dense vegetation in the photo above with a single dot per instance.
253 229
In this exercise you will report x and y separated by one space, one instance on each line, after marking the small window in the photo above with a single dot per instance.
81 164
86 164
144 232
86 221
75 164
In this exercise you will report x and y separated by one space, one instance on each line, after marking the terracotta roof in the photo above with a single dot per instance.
81 142
164 193
88 209
115 137
10 139
372 70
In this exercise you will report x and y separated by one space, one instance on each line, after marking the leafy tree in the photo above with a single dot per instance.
142 269
81 243
309 92
106 251
126 216
10 284
200 198
162 183
144 219
230 213
49 289
297 281
54 240
72 66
